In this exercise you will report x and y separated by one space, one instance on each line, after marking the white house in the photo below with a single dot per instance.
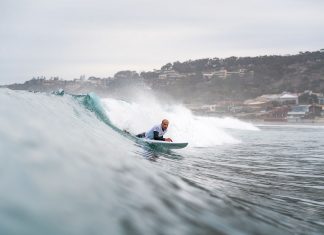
288 98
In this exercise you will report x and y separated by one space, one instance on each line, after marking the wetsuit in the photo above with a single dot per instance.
156 133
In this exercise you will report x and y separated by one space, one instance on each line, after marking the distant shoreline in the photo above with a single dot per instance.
314 122
321 123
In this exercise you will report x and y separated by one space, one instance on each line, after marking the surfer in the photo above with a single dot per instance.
157 132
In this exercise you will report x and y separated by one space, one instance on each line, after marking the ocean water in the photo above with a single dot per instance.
66 167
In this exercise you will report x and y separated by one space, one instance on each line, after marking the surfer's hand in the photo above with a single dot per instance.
168 139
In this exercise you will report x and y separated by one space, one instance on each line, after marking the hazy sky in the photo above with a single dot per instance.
67 38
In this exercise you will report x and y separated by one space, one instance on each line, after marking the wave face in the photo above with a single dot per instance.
66 168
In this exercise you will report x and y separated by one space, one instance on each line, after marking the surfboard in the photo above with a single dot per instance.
164 144
158 143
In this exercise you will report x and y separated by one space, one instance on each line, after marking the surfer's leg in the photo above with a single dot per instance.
142 135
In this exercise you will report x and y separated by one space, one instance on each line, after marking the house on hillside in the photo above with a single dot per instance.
218 73
224 73
170 74
284 98
288 98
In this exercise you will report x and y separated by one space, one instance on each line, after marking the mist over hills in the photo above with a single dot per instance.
205 81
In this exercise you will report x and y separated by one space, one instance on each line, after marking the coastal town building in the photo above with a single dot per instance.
224 73
288 98
321 100
297 112
284 98
170 74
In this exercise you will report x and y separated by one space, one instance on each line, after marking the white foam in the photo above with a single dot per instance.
140 115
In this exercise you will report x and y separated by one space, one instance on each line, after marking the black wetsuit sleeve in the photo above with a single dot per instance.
157 137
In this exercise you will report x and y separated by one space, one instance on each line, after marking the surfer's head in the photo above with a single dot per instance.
165 124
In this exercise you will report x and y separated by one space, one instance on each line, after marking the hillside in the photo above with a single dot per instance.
208 80
245 77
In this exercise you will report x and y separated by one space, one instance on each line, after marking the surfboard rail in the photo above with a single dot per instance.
164 144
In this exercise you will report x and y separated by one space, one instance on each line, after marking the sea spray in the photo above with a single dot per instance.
140 115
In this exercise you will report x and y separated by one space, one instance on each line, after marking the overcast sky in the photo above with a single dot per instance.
68 38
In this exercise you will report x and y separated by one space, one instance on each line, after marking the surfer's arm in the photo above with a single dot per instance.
157 137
